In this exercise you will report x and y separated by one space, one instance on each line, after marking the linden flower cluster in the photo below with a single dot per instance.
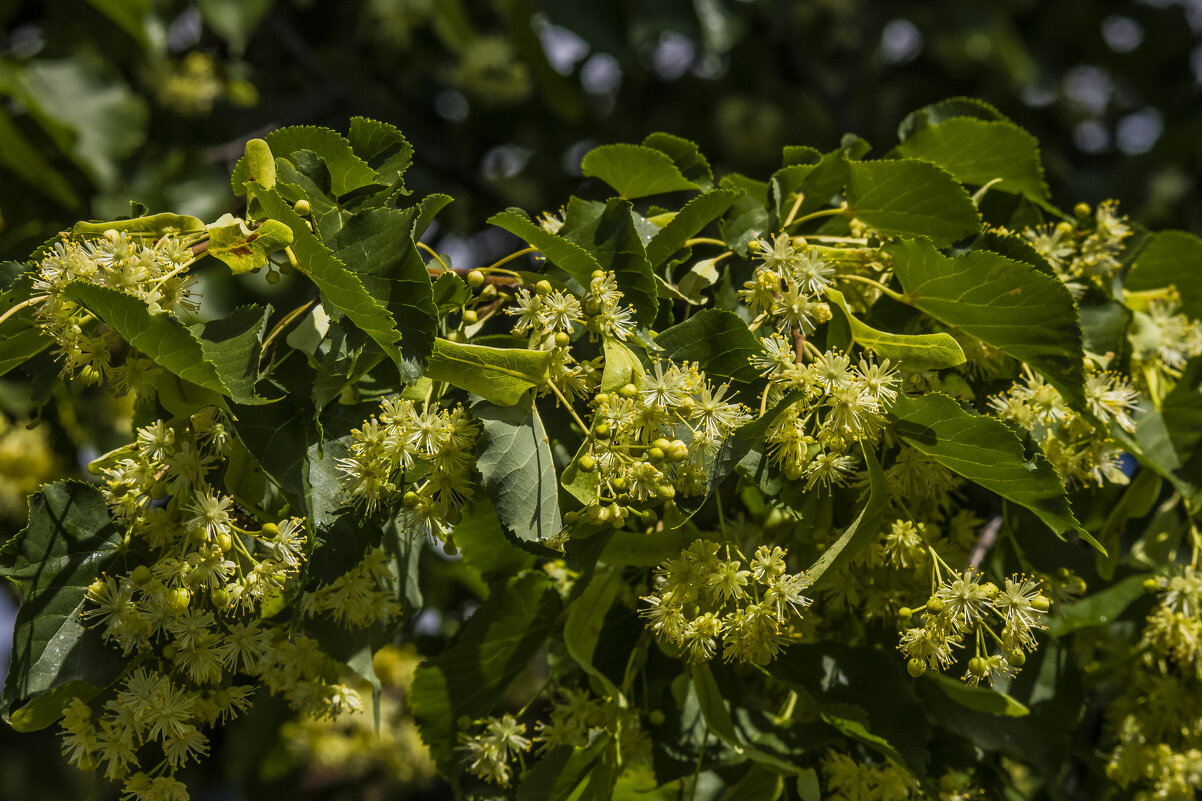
489 753
701 598
786 285
839 405
1158 719
575 714
361 597
425 456
650 442
849 780
877 580
191 612
156 273
551 318
1085 251
960 606
1162 338
1079 452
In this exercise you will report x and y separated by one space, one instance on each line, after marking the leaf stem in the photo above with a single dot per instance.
793 212
507 259
817 215
284 323
703 240
434 253
568 406
22 305
877 284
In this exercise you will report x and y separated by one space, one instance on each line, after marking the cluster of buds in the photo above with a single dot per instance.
960 607
701 598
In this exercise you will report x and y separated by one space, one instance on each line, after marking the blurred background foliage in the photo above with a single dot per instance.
107 101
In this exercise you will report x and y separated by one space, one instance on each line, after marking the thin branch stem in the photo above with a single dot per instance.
793 212
433 253
568 406
22 305
877 284
288 319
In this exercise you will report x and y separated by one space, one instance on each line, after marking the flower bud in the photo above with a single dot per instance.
562 340
1082 211
655 455
587 463
678 451
656 717
934 606
302 207
978 667
1040 603
666 492
272 277
543 287
1016 658
601 431
178 600
628 391
600 399
662 444
470 317
475 279
410 500
220 597
618 483
916 667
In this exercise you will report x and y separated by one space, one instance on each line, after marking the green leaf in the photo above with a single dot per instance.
1167 439
646 550
585 619
564 254
688 222
561 770
484 546
1004 303
622 367
861 691
718 341
244 250
1101 608
233 345
747 219
944 110
256 166
450 293
608 232
383 147
985 451
499 375
1170 258
340 288
130 16
758 784
980 699
160 336
514 458
153 226
866 527
377 246
977 151
68 542
685 155
906 197
918 352
635 171
21 340
347 170
493 647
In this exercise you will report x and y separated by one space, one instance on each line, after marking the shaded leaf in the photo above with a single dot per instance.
685 155
981 699
564 254
719 341
514 458
1170 258
608 232
151 227
66 545
493 647
233 345
866 527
